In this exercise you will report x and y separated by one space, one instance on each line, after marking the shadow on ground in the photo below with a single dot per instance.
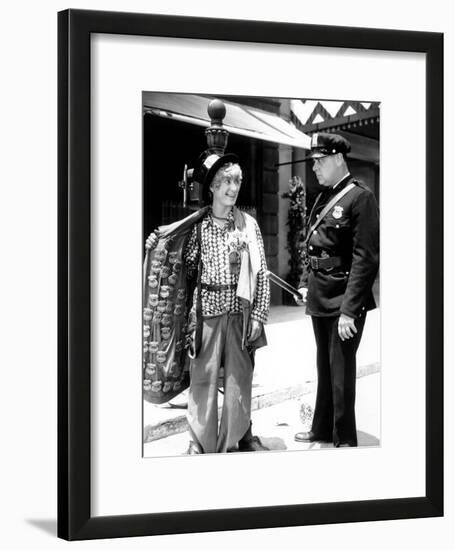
47 525
363 439
367 440
273 443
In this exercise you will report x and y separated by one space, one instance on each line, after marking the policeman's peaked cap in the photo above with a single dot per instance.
324 144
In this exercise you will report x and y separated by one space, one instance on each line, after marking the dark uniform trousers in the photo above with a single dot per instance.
334 415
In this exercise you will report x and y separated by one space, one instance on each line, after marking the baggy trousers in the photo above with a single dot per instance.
334 413
221 347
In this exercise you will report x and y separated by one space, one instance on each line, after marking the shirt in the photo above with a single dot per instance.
220 266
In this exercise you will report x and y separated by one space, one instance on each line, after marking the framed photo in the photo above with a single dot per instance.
133 96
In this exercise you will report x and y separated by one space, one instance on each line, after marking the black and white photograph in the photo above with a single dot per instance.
261 301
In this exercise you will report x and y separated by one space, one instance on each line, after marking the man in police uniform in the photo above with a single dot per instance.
342 257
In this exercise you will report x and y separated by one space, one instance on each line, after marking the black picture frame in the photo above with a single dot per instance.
75 521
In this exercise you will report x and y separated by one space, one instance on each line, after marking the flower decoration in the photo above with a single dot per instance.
165 272
154 346
167 386
177 266
164 291
165 333
160 254
156 267
156 386
147 314
150 369
181 294
156 317
296 224
174 369
153 281
166 320
173 257
237 241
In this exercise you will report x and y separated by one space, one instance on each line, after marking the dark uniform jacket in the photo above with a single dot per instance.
350 230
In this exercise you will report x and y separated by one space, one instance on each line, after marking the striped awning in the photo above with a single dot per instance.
240 119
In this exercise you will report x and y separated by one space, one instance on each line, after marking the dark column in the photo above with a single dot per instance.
269 212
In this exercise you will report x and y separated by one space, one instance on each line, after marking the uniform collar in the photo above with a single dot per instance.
339 185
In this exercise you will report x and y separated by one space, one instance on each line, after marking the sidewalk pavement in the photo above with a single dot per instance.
284 380
276 425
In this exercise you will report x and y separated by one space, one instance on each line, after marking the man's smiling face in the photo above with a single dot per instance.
226 185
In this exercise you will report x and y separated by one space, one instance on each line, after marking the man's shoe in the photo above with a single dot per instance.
309 437
252 444
345 444
194 449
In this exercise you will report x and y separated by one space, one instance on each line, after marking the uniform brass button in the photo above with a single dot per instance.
315 232
311 248
337 226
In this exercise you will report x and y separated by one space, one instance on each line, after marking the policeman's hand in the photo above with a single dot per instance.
301 301
254 330
346 327
152 241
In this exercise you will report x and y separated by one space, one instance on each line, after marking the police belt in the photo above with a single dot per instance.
231 286
316 263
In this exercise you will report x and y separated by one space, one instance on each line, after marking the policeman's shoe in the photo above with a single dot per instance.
345 444
194 449
253 443
309 437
